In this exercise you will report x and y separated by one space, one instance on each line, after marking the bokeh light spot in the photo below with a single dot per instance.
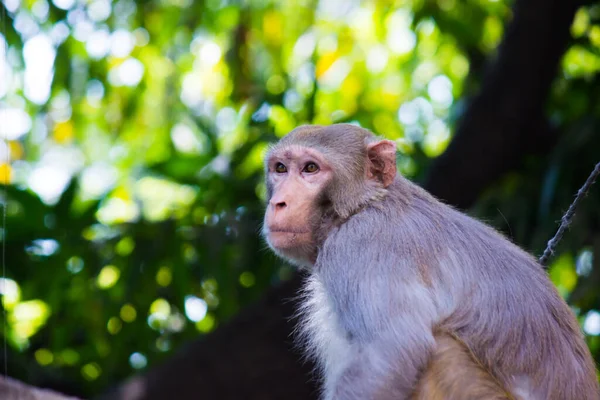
68 357
128 313
91 371
160 308
207 324
125 246
108 277
247 279
11 293
195 308
137 360
114 325
164 276
591 325
44 357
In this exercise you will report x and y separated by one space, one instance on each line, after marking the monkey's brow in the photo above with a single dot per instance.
294 151
287 153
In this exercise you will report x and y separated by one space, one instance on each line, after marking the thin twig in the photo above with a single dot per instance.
566 219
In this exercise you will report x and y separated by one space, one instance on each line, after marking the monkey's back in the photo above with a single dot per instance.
505 308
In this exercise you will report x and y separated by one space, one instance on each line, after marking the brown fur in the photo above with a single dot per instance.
453 373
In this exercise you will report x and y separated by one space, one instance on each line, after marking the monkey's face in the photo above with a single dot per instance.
296 177
317 177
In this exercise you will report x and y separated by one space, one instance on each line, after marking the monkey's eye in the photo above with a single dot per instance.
280 168
311 168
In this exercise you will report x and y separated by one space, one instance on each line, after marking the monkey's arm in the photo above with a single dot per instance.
385 369
383 307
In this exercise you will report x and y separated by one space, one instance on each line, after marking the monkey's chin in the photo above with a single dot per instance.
296 247
284 240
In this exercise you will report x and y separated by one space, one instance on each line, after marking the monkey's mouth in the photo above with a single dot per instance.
281 230
281 238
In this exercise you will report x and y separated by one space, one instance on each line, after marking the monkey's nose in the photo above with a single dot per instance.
278 202
280 205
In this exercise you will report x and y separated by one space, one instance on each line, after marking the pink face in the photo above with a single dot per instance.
297 176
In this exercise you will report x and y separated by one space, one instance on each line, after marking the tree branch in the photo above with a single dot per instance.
568 217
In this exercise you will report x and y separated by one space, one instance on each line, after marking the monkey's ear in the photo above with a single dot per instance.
382 161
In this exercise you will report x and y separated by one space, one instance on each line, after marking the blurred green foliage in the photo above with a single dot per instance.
134 139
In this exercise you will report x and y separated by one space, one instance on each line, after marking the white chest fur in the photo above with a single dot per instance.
322 335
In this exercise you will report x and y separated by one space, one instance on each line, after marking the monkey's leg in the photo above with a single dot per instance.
454 374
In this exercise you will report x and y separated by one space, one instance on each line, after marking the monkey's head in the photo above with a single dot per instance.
318 176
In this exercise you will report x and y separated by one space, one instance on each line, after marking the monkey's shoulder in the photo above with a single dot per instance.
428 232
393 220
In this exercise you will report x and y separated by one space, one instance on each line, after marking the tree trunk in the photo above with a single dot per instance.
252 357
506 122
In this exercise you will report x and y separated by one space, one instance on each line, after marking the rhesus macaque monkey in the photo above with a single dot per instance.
406 297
